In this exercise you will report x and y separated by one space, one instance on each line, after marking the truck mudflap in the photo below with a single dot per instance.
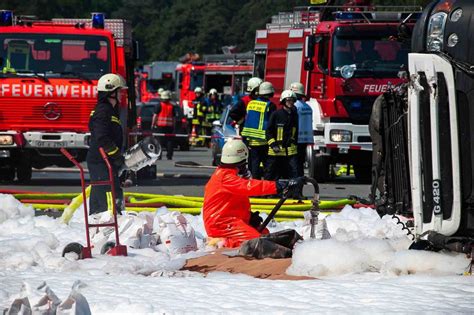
434 145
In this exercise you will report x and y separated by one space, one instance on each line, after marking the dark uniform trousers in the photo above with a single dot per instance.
281 167
101 195
301 157
167 142
257 155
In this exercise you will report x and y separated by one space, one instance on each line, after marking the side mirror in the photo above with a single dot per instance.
310 42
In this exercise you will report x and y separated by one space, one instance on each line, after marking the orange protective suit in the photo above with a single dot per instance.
226 208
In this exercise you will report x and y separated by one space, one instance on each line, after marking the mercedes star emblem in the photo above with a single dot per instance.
51 111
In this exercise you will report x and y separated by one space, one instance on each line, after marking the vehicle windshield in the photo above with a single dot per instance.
372 56
55 55
197 79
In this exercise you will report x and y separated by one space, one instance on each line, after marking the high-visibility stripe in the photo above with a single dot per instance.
110 201
271 141
115 120
113 151
289 151
279 133
257 143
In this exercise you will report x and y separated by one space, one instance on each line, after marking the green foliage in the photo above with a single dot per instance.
168 29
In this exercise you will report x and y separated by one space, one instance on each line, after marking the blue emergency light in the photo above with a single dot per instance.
6 18
356 105
349 16
98 20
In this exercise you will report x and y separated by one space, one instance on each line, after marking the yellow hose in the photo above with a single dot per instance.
72 207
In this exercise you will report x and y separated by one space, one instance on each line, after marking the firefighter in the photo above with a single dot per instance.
214 106
226 207
107 133
214 110
239 110
305 124
200 110
282 134
255 126
164 120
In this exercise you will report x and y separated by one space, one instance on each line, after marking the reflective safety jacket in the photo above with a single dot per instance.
226 207
106 132
214 110
200 109
256 121
282 131
166 114
305 122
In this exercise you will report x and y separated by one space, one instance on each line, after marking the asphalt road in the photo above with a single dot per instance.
174 179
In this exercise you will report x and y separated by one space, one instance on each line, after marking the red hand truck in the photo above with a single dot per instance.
86 252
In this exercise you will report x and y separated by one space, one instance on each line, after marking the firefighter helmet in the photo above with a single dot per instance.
253 83
297 87
212 91
234 151
110 82
165 95
160 90
287 94
198 90
266 88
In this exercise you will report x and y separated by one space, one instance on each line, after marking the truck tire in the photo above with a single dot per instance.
363 173
7 174
321 168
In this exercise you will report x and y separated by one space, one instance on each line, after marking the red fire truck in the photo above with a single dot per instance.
346 56
190 76
48 86
226 73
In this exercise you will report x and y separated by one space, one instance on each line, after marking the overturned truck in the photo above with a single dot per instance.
423 132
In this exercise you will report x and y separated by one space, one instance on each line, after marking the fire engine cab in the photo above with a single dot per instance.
48 76
345 56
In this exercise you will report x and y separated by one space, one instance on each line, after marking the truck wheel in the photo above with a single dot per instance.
321 168
24 172
363 173
7 174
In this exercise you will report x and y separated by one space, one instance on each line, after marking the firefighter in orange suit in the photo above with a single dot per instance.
226 208
164 120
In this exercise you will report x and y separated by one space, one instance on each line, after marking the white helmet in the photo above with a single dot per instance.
265 88
110 82
165 95
161 90
253 83
198 90
287 94
212 91
234 151
297 87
